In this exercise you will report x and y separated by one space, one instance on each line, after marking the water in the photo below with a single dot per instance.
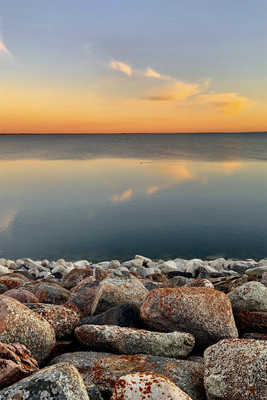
112 196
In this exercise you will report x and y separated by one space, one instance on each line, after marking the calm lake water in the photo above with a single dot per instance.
113 196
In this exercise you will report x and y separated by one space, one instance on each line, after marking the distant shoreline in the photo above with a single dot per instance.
126 133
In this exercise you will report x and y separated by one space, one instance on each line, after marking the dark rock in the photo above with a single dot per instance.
172 274
251 321
50 293
3 288
125 315
75 276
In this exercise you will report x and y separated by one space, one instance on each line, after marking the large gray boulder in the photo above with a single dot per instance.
57 382
252 296
236 369
135 341
105 369
18 324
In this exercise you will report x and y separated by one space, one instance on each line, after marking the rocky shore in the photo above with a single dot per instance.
141 329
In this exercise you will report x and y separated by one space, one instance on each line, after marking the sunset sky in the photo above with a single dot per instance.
112 66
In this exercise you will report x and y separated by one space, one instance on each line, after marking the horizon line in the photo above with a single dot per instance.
123 133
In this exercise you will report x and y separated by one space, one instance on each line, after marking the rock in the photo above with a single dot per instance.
104 370
63 320
17 322
50 293
152 285
116 290
62 262
10 281
203 312
256 336
257 270
241 267
100 273
133 341
57 382
135 263
3 288
199 283
167 267
264 276
15 364
251 321
4 270
76 276
23 296
125 315
45 263
81 264
149 386
114 264
176 281
145 260
143 271
252 296
158 277
83 295
243 376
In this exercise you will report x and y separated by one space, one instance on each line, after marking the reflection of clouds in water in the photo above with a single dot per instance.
231 166
7 219
152 189
127 194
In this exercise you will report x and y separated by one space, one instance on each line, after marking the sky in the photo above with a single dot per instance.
115 66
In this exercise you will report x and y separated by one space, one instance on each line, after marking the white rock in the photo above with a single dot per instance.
58 268
14 266
81 264
45 263
218 263
20 262
4 270
147 386
133 263
114 264
145 260
3 262
67 270
43 274
167 266
62 262
9 263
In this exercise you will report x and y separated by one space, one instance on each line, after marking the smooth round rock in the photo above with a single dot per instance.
23 296
149 386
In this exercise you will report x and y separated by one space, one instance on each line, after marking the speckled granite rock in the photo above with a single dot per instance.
23 296
105 369
50 293
62 319
15 363
11 281
135 341
75 276
57 382
243 376
148 387
205 313
117 289
252 296
19 324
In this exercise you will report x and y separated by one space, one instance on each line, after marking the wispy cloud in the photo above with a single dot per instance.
226 103
119 66
123 196
178 90
150 73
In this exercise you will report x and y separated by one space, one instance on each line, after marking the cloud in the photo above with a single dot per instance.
119 66
123 196
176 91
226 103
150 73
152 189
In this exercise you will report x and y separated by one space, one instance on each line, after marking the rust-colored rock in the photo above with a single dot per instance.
10 281
15 364
148 387
75 276
18 324
104 370
236 369
205 313
251 321
63 320
23 296
50 293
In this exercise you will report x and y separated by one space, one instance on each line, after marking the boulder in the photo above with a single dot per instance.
125 315
75 276
133 341
259 270
19 324
50 293
145 260
104 370
3 288
57 382
4 270
251 321
15 364
23 296
205 313
63 320
242 376
167 267
252 296
149 386
11 281
118 288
